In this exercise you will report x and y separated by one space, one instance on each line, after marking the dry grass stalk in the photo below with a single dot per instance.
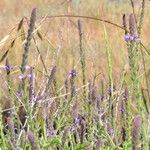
124 24
82 58
50 80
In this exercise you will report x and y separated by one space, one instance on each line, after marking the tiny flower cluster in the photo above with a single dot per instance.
129 38
8 67
51 133
22 76
73 73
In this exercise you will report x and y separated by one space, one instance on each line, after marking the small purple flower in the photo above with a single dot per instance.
138 40
135 38
76 119
100 112
101 97
20 93
111 132
131 38
50 133
73 73
8 112
9 67
123 110
21 76
127 38
54 133
29 75
27 67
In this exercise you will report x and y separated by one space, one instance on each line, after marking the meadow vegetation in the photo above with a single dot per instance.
75 75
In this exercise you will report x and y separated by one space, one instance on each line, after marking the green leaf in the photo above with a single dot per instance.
40 35
80 147
55 141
